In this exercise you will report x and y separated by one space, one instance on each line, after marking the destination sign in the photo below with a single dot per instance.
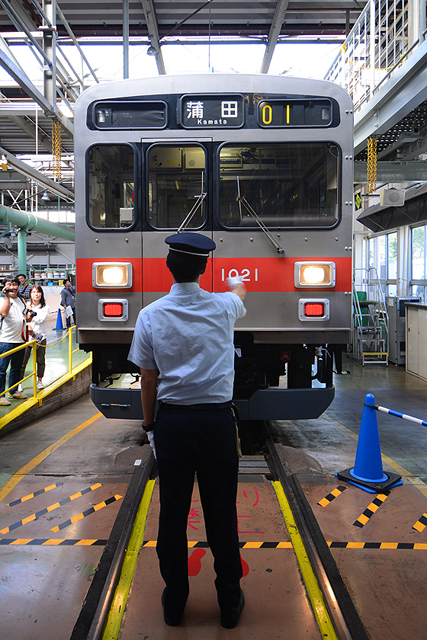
130 114
210 111
315 112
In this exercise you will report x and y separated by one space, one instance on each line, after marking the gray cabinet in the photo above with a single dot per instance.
397 331
416 340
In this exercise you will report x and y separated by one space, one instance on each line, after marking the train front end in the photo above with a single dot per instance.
263 166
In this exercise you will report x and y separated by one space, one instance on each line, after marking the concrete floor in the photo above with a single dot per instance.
274 592
45 574
387 584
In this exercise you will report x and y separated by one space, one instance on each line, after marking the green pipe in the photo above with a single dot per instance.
29 221
22 251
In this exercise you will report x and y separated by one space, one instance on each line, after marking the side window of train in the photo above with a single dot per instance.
111 176
176 186
282 184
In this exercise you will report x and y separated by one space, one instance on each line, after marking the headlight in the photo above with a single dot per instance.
112 274
314 274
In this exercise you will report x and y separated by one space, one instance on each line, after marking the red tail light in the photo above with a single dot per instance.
113 310
310 309
314 309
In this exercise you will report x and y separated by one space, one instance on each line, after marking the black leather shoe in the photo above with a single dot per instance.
171 621
230 617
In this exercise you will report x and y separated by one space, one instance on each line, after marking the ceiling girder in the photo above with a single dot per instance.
13 7
37 176
276 25
389 172
33 92
74 40
26 84
153 33
395 100
30 130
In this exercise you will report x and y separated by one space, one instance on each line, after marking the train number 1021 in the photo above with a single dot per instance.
245 274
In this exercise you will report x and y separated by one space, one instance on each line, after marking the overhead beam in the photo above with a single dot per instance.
400 94
20 13
74 40
392 172
153 34
25 83
30 130
38 177
49 47
276 26
125 39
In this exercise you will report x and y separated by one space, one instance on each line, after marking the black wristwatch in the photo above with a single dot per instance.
149 427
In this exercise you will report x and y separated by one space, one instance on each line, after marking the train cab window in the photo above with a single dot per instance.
281 184
176 186
111 186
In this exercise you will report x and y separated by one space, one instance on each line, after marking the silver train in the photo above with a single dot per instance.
264 166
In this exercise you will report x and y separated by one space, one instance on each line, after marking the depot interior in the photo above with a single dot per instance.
46 54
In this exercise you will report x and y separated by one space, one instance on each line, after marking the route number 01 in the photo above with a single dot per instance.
245 274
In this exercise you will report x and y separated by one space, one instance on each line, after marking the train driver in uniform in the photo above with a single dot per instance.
183 344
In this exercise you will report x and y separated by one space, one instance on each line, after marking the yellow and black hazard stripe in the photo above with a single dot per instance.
404 546
203 544
35 494
53 542
369 511
48 509
421 524
331 496
89 542
82 515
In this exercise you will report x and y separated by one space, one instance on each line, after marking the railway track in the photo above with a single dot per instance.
332 605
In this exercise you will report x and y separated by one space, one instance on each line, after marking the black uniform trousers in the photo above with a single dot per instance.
197 439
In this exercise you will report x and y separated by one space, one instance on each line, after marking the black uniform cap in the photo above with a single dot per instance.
194 244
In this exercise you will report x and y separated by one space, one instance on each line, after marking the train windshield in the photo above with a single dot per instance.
281 184
111 186
176 186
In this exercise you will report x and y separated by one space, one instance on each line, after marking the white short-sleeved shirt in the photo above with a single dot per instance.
11 328
188 336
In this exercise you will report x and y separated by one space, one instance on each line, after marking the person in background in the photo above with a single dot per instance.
37 327
24 286
183 343
11 335
68 300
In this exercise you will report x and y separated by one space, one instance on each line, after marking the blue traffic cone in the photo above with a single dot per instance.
59 325
367 473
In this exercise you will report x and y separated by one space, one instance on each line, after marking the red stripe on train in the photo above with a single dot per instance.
260 274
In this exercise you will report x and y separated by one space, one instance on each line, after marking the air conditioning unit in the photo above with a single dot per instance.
392 197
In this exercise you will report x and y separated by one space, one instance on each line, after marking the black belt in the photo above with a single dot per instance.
215 406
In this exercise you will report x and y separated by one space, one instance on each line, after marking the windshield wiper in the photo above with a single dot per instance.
261 224
192 213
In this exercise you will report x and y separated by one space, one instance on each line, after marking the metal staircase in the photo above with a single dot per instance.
370 319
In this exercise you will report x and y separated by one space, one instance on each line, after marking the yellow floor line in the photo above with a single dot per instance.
118 606
314 592
19 475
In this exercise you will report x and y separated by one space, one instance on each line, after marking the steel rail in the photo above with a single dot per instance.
94 612
345 619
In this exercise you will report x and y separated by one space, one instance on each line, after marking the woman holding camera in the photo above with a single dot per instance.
36 314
